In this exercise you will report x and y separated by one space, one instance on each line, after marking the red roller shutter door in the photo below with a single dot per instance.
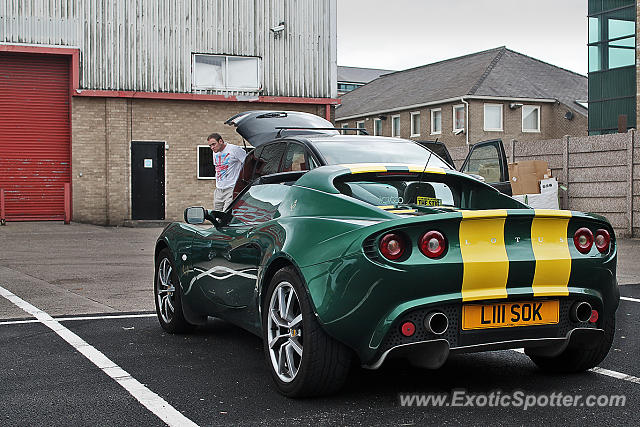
35 134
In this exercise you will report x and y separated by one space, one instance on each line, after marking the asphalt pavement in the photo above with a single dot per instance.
103 359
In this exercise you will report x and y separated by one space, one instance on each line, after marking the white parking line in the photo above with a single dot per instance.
65 319
149 399
602 371
630 299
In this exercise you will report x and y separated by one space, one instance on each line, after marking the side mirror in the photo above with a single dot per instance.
198 214
195 215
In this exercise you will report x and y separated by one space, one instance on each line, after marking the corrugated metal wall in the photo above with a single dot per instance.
147 45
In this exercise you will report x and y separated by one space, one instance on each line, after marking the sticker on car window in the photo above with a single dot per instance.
429 201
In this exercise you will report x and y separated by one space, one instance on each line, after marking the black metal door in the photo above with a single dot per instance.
147 180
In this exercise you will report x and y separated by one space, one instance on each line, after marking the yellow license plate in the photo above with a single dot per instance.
509 314
429 201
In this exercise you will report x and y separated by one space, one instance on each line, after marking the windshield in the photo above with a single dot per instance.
394 151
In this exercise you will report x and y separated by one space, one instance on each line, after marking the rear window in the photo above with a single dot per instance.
429 191
340 152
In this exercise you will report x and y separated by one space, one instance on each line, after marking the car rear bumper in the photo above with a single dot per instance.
434 353
459 340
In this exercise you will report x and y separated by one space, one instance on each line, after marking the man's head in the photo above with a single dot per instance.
215 142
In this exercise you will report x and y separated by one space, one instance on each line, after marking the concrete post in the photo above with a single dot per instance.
631 137
565 170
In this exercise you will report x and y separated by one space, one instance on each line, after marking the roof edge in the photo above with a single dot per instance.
445 60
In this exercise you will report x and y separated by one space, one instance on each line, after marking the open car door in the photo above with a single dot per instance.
488 159
259 127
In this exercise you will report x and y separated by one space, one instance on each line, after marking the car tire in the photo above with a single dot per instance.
167 295
302 358
574 360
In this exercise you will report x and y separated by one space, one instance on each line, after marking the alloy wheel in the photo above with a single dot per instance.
165 291
284 331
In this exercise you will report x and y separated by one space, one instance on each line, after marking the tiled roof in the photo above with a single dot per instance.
496 72
359 75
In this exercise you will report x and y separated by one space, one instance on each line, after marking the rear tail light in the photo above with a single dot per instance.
432 244
583 239
392 246
602 240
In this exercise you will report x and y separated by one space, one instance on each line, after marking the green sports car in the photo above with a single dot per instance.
375 261
368 261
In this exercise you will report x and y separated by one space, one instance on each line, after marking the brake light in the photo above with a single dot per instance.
392 246
432 244
602 240
583 239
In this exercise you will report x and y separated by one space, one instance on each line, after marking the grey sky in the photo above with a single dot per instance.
399 34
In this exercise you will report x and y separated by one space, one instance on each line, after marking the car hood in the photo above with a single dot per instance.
259 127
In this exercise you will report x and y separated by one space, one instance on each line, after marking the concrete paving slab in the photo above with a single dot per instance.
79 268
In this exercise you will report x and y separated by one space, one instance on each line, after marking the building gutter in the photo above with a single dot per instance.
444 101
466 118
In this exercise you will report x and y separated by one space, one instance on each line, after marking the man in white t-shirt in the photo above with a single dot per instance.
228 160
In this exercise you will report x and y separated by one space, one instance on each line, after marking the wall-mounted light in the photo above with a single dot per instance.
277 30
568 115
382 117
514 105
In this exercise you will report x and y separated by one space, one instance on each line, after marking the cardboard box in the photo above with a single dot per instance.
525 176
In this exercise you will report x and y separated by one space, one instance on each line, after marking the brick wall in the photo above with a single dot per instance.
103 129
552 123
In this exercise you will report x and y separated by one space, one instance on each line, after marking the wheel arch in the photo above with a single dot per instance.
160 245
278 262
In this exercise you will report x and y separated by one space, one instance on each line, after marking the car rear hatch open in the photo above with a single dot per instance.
259 127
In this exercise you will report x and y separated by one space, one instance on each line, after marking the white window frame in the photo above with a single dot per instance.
433 131
484 118
226 62
413 131
453 115
375 127
530 130
344 126
360 124
393 127
198 162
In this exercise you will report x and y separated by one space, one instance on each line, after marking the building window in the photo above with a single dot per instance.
493 117
206 169
348 87
395 126
612 33
458 118
360 125
436 121
344 126
377 127
530 118
415 123
226 72
612 74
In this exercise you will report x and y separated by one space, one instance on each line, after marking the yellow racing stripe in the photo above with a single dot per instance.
484 255
551 250
402 211
381 167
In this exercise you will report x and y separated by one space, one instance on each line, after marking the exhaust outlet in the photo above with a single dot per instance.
436 322
580 312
